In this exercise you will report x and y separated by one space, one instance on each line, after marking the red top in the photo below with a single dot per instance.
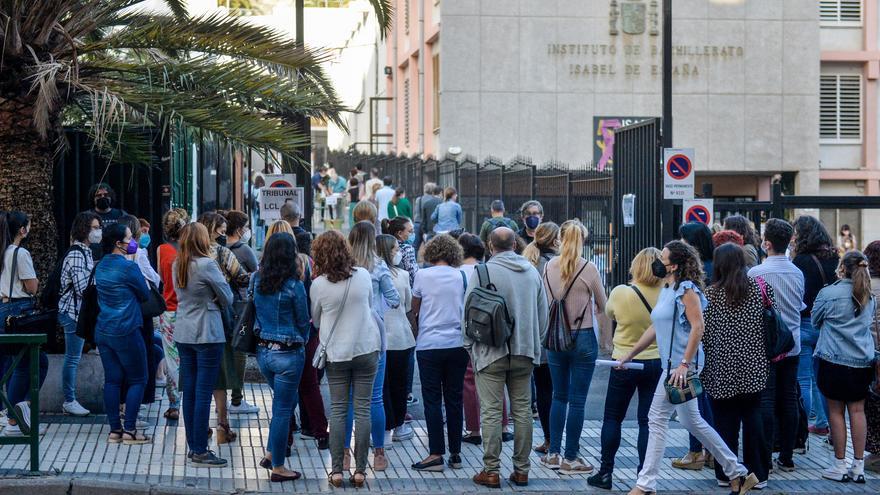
167 254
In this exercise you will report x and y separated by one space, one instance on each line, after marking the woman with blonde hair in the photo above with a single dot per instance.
630 305
539 252
364 211
277 227
572 278
202 293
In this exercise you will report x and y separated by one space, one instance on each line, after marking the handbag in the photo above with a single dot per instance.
244 339
320 359
778 340
693 387
155 304
87 319
34 321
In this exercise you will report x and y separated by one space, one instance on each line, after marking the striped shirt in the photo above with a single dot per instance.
75 272
788 284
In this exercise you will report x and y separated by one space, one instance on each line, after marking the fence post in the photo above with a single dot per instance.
34 351
477 199
568 196
437 172
777 210
503 197
534 185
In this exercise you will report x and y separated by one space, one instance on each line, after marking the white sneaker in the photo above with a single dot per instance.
838 471
403 432
857 471
388 440
551 461
3 419
761 485
24 410
12 431
243 408
74 408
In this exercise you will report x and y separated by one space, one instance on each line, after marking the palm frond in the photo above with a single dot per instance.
384 15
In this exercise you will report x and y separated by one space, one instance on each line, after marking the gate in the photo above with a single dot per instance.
637 172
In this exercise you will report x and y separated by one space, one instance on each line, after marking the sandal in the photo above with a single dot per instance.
172 414
334 481
225 434
355 482
134 438
115 436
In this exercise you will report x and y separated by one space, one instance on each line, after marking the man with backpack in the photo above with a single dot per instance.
496 220
505 320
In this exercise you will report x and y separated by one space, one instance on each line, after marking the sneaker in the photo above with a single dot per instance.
412 400
692 460
819 430
12 431
3 419
784 468
761 485
74 408
207 460
857 471
837 471
402 433
24 410
243 408
551 461
577 466
723 483
389 437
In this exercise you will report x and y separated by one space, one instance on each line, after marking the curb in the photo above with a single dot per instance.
50 485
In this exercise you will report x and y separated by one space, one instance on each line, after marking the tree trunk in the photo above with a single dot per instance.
26 168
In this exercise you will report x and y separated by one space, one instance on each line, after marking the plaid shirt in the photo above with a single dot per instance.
75 273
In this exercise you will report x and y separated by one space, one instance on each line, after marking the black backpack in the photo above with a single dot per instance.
561 332
53 291
487 319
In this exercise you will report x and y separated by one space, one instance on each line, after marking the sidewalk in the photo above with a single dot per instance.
75 453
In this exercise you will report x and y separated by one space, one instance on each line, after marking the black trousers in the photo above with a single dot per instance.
442 375
394 389
779 409
544 397
622 384
742 410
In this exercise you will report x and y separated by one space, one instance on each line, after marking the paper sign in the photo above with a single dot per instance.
273 198
628 207
678 173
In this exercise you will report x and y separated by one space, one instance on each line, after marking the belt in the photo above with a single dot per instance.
14 299
279 346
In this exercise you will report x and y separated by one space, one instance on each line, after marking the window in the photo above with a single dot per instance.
406 112
840 12
406 16
840 108
436 91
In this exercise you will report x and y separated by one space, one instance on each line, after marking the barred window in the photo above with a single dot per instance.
840 112
406 16
406 112
840 12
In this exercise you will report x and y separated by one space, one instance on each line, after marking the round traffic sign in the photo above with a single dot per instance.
280 183
698 213
679 167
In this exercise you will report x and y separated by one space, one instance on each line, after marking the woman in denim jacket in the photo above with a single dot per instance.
843 313
282 328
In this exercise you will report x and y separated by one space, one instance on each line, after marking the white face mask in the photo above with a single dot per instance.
95 236
246 235
397 258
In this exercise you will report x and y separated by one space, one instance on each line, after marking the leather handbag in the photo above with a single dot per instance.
155 304
320 359
778 340
34 321
88 310
693 387
244 338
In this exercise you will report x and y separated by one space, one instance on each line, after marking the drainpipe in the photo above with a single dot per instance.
421 77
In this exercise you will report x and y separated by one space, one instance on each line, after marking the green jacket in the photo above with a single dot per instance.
403 208
493 223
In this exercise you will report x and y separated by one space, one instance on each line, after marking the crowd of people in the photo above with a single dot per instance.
731 331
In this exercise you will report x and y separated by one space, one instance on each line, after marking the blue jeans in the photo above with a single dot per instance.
377 410
572 372
73 347
807 371
199 369
125 362
706 412
283 370
19 383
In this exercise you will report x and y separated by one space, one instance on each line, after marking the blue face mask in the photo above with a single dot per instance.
144 241
412 238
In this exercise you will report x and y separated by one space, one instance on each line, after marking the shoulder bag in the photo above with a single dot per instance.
155 303
320 359
41 321
778 340
244 339
693 387
88 310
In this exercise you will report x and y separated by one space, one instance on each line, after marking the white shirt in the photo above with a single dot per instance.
356 333
398 331
383 197
441 289
146 268
24 271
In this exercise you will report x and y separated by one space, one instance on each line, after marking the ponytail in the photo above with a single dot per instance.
573 234
386 226
855 268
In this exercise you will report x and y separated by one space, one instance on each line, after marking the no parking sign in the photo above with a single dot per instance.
697 210
678 173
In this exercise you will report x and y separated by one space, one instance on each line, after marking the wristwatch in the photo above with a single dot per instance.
685 363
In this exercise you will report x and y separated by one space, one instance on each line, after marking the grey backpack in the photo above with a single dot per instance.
487 320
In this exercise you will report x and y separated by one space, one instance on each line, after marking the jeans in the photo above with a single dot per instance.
395 387
73 346
199 369
125 364
544 397
742 410
572 372
779 406
516 373
806 375
377 408
690 419
442 375
311 404
19 383
347 378
706 412
283 370
622 384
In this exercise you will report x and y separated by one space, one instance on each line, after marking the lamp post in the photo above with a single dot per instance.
667 74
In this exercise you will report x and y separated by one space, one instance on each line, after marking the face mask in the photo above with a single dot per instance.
95 236
131 247
659 269
144 241
221 240
246 236
412 238
533 221
102 203
397 258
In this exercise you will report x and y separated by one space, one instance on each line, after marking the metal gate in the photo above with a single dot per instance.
637 172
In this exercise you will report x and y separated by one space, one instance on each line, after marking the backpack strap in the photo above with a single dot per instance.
821 270
764 297
14 271
464 281
481 269
642 297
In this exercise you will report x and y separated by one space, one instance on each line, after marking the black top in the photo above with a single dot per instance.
428 205
813 282
109 217
354 194
525 235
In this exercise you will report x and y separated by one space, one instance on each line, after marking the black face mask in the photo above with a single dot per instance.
102 203
221 240
659 269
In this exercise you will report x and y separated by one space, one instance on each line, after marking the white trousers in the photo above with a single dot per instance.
689 417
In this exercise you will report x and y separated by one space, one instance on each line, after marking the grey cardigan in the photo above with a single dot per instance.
200 302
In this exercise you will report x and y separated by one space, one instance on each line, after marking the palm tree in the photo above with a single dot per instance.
112 70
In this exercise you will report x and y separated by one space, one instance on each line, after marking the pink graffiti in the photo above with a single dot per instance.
606 144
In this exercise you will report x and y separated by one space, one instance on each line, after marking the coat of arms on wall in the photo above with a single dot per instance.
633 16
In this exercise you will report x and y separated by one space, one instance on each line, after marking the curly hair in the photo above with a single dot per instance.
872 251
688 260
174 220
82 226
726 236
742 226
333 257
443 248
811 237
279 263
